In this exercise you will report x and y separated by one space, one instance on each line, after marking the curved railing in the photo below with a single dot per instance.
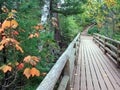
63 69
110 46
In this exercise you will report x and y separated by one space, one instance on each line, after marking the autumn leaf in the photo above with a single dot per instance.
14 41
34 72
31 36
9 24
14 11
31 59
19 48
7 40
39 26
1 47
20 66
36 27
14 24
27 59
32 62
4 41
6 24
15 33
35 58
27 72
6 68
4 37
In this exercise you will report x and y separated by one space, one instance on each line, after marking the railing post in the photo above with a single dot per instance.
118 55
99 41
94 38
105 51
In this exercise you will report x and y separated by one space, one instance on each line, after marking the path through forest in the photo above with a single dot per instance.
85 31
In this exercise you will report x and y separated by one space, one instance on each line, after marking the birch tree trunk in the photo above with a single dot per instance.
45 11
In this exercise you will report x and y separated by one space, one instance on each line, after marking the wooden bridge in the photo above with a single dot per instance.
89 63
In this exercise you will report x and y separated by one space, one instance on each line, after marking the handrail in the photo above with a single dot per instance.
65 65
109 45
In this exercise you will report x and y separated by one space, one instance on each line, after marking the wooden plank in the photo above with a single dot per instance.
77 74
111 66
97 69
93 72
108 74
64 83
104 74
83 71
88 71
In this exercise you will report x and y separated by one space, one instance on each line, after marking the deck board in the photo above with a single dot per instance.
95 71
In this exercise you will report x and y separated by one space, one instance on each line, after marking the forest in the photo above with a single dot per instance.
34 33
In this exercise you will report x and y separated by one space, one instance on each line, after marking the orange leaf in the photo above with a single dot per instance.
32 60
6 24
41 27
19 48
27 59
6 68
36 27
14 24
9 24
31 36
34 72
4 37
27 72
15 33
1 47
4 41
14 41
14 11
35 58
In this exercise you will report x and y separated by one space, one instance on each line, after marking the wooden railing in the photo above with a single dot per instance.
110 46
63 68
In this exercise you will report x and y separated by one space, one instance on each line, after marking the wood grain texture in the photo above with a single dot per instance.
94 69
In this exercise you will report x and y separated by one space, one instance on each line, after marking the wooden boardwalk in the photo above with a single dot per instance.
94 70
